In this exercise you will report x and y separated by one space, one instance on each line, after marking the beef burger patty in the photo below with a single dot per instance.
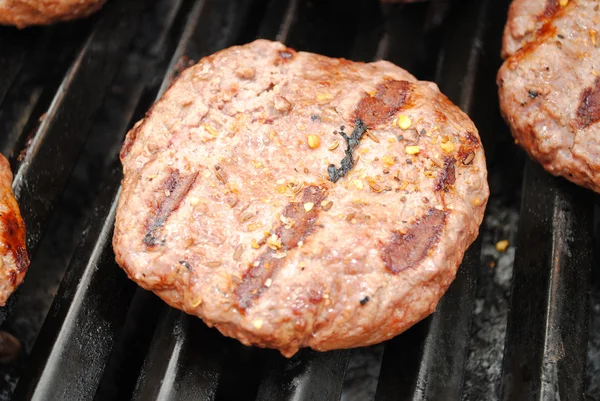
22 13
549 87
294 200
13 254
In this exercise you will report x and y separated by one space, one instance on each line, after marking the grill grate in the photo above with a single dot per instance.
103 338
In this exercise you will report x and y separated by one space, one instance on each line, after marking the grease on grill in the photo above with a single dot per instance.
407 249
352 143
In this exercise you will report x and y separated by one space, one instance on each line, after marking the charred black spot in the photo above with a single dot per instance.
352 143
533 94
364 301
185 264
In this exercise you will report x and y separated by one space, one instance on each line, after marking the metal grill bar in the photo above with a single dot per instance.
78 307
78 320
546 340
39 181
308 375
184 363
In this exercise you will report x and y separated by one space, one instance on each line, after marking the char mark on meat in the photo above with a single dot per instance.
174 190
302 221
391 96
552 7
447 176
409 249
588 111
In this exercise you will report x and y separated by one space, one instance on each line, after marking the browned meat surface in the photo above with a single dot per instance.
13 254
549 87
22 13
293 200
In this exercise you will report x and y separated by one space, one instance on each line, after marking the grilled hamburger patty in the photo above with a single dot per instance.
22 13
13 254
549 86
292 200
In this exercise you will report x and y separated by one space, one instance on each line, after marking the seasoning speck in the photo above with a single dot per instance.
257 324
326 205
308 206
404 122
214 263
501 246
313 141
412 150
364 301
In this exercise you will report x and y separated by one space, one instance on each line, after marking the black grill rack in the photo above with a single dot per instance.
68 95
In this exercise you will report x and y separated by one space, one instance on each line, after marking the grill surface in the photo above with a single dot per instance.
68 95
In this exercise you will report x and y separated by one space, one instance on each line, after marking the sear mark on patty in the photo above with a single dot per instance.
13 239
407 250
174 189
253 282
447 176
552 7
390 97
588 111
352 143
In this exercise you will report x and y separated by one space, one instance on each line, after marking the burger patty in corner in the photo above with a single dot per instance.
549 85
13 254
294 200
22 13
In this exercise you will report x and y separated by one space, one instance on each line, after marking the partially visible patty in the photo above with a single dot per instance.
525 17
22 13
13 254
550 89
294 200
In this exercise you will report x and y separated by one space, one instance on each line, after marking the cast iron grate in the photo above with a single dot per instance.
69 93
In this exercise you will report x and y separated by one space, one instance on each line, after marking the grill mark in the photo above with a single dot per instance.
178 187
547 31
552 7
447 176
407 250
588 111
14 239
252 285
391 96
